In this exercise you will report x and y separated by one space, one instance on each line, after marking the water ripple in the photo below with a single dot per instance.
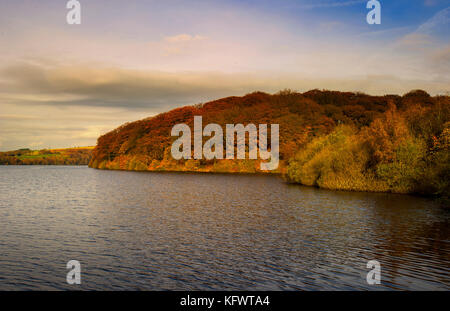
159 231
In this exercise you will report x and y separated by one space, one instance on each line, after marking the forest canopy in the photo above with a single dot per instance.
329 139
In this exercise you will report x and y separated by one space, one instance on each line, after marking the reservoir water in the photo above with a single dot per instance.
178 231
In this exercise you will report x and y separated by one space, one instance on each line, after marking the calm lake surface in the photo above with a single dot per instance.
174 231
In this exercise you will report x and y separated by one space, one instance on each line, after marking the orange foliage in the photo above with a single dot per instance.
145 144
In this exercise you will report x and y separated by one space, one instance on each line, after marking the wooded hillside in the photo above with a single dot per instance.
330 139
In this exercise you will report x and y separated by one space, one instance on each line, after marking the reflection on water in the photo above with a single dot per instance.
161 231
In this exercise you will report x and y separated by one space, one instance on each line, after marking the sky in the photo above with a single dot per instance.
65 85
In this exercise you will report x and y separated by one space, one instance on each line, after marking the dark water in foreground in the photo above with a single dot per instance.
159 231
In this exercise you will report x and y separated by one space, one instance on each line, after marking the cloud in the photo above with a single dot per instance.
442 57
59 126
329 26
429 32
183 38
112 87
429 45
415 39
16 117
334 4
181 43
438 25
89 86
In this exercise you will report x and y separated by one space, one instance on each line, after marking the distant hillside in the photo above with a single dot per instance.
336 140
68 156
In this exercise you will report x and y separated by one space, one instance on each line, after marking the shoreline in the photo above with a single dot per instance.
274 174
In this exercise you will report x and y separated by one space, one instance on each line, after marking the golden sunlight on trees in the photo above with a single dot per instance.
329 139
397 152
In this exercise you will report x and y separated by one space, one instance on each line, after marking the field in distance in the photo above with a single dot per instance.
67 156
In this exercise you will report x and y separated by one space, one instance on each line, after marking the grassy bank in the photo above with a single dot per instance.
68 156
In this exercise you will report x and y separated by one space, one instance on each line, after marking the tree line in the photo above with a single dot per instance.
70 156
329 139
